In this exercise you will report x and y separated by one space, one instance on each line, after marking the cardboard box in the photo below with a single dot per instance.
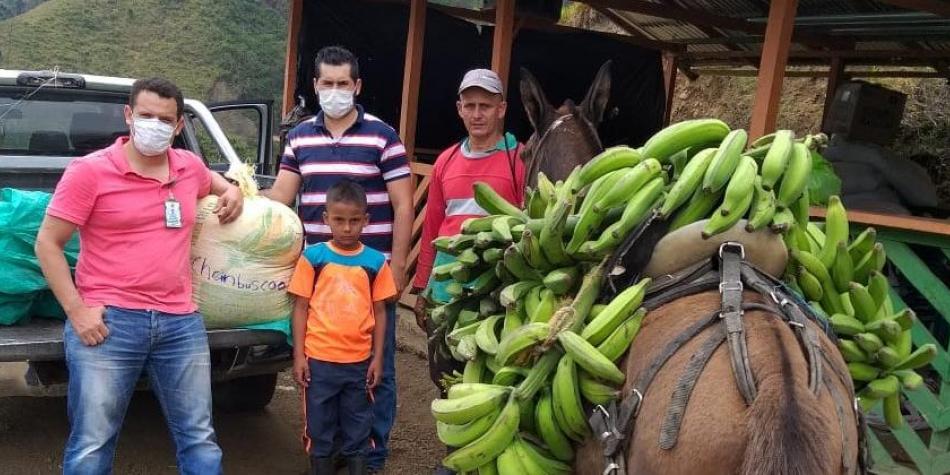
865 112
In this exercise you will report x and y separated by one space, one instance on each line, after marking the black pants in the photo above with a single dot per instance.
337 401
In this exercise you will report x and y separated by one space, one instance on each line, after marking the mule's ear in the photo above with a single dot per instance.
535 103
596 100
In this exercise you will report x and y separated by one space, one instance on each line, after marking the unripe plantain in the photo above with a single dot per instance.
796 175
776 160
725 161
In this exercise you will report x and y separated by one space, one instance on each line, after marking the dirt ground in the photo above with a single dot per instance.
33 430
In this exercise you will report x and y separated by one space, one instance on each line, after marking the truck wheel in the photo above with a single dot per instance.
250 393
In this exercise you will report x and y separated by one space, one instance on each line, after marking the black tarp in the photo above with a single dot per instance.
564 63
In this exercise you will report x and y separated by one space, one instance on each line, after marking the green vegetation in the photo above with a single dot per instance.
214 50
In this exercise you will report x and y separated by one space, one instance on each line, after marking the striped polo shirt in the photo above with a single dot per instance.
369 153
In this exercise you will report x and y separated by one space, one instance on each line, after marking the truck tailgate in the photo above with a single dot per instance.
42 340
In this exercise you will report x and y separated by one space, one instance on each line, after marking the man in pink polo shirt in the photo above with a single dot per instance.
130 309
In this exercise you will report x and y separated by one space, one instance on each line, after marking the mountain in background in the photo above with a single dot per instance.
12 8
214 50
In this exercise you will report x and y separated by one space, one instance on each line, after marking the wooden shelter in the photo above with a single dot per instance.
716 37
771 40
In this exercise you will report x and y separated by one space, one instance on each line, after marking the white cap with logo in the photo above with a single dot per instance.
482 78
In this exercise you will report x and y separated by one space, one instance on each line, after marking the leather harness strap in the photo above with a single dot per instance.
670 429
730 290
615 424
806 334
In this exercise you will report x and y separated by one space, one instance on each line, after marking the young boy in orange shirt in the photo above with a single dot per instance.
339 326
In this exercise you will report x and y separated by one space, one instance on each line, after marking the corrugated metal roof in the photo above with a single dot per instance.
869 24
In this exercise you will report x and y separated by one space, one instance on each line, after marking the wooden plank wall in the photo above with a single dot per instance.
421 176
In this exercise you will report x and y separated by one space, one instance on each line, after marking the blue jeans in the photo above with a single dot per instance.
384 397
173 350
337 403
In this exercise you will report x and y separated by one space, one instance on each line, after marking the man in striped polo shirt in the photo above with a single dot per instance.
345 142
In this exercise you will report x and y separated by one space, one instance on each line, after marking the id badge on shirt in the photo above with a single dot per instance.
172 213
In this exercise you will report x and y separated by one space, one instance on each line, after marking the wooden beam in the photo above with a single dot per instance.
835 78
545 25
669 83
709 31
503 39
412 76
718 39
938 7
626 25
634 30
893 221
482 16
814 62
821 73
696 17
290 60
942 68
534 23
828 54
778 38
702 18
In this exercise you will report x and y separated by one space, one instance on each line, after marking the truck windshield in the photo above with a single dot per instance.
53 122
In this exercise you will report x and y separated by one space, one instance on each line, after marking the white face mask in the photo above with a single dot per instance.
151 136
336 103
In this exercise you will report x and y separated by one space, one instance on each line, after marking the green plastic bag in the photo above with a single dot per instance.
21 280
823 181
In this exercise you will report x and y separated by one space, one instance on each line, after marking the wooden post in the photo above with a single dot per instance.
290 61
411 76
504 37
835 77
669 83
778 38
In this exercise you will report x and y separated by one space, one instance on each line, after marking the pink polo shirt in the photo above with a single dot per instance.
128 257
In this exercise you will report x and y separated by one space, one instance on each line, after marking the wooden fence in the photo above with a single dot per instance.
918 252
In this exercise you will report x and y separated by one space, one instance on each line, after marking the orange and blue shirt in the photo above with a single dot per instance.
342 287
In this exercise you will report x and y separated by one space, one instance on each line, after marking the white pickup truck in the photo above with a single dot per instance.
49 118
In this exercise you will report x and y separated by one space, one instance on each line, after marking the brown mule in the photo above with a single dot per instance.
786 430
566 136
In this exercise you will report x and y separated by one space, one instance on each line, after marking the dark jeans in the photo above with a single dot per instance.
337 403
384 397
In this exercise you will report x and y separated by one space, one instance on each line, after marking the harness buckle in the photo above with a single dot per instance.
775 297
612 467
639 395
608 425
795 324
732 244
731 286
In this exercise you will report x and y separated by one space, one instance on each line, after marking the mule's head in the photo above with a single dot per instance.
566 136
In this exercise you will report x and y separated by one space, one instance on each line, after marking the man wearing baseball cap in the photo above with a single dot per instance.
488 154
